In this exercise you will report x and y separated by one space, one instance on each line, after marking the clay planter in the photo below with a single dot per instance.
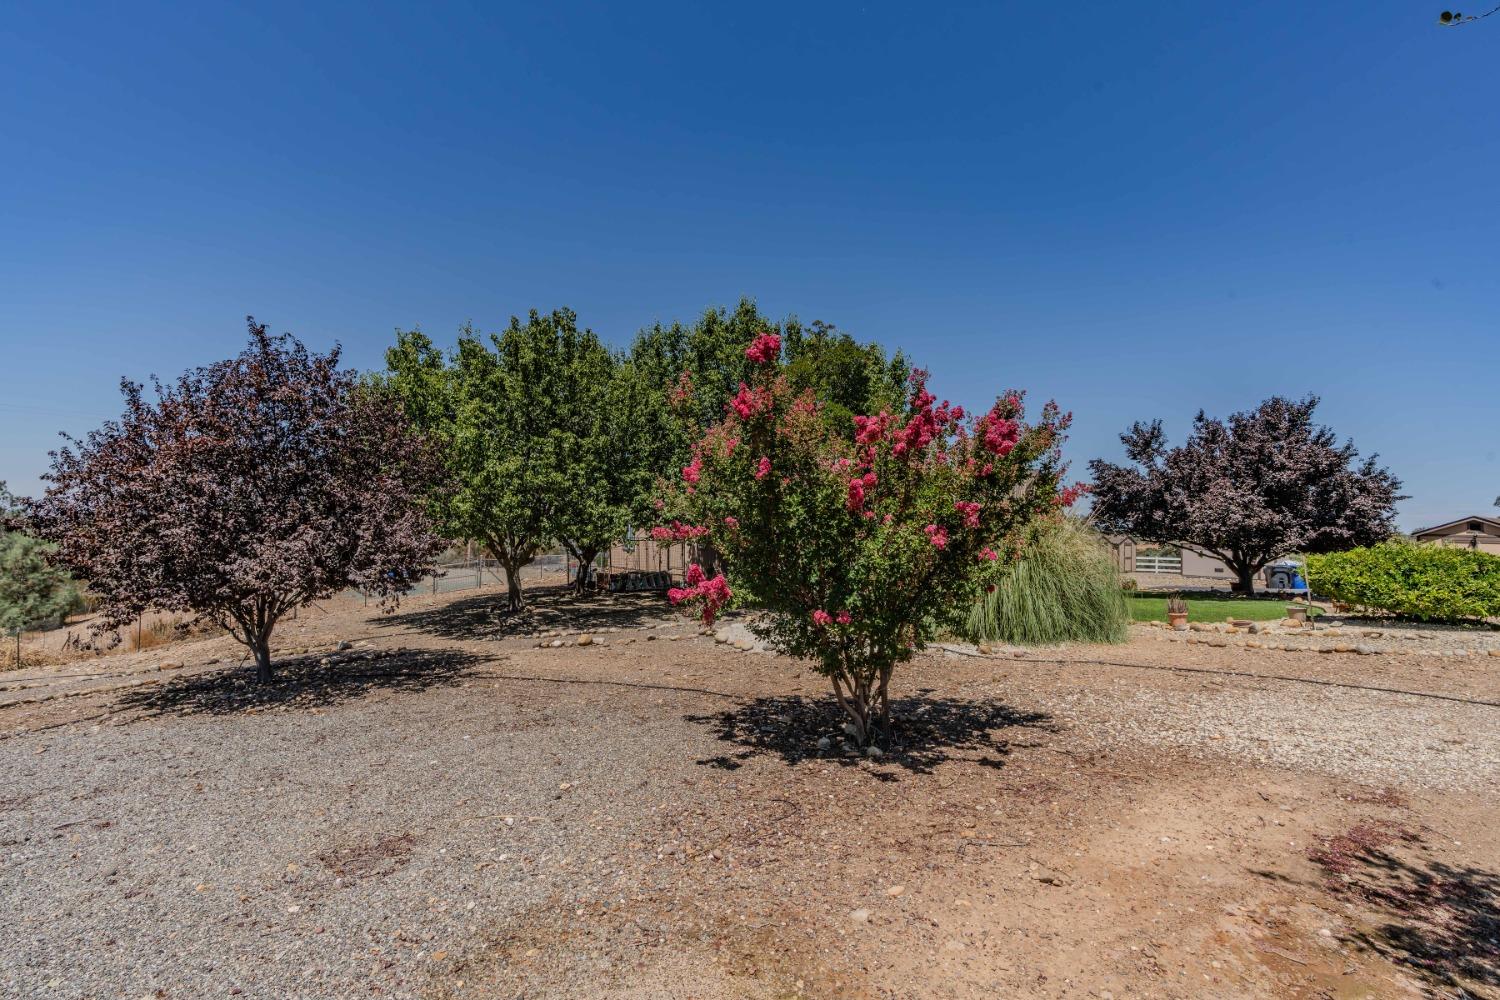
1178 620
1296 612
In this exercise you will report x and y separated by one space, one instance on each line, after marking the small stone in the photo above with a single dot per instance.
895 890
555 644
584 640
860 915
825 743
1365 650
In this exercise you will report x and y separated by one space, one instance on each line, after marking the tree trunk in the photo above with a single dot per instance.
513 587
261 647
585 559
1244 580
862 704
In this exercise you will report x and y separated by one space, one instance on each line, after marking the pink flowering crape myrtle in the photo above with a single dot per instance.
855 549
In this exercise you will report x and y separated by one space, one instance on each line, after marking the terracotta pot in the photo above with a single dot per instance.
1296 612
1178 620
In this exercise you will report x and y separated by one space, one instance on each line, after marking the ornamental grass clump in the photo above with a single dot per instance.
1064 587
856 547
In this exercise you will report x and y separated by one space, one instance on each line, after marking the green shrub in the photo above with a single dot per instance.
1064 588
1429 582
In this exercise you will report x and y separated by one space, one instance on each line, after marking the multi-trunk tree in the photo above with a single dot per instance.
857 546
241 491
1265 483
539 426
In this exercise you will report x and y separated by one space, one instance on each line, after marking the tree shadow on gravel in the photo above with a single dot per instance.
547 608
1442 921
301 682
925 731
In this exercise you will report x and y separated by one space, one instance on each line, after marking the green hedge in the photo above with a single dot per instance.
1430 582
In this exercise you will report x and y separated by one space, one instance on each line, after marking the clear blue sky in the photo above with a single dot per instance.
1138 209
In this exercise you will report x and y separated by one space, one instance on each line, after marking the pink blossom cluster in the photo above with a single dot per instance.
970 511
871 430
762 468
859 486
693 471
764 349
713 593
822 619
677 532
732 523
926 423
938 536
988 554
748 402
997 432
1069 495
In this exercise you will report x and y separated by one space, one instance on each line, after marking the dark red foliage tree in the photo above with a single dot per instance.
1266 483
244 490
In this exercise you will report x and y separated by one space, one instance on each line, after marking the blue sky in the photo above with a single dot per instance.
1139 210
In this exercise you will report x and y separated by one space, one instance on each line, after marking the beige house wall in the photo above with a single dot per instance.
1478 533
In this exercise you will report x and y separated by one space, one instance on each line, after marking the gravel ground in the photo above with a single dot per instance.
1370 737
322 850
378 821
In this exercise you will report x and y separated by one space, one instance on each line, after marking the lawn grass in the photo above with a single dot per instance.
1210 608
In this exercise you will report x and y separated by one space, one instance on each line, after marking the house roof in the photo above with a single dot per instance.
1492 524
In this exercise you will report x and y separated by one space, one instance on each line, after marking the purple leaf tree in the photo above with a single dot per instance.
247 488
1265 483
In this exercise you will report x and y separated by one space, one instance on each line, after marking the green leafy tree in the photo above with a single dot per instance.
697 369
518 416
32 589
612 462
845 376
